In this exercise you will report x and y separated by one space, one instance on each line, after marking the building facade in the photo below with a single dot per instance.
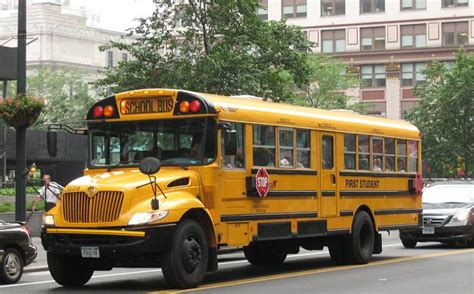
58 38
386 42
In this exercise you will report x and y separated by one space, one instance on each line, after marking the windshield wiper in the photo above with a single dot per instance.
175 164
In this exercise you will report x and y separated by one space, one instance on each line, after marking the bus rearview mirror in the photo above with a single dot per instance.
150 165
52 142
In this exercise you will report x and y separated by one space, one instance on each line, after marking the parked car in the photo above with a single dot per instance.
448 215
16 251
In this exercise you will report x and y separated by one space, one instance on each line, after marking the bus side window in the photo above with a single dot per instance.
389 154
377 153
401 155
263 145
286 147
363 152
238 160
349 151
303 148
412 156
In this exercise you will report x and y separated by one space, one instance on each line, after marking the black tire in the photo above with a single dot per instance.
408 243
263 256
11 268
184 264
362 238
69 271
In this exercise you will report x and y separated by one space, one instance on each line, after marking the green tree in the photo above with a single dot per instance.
219 46
65 92
445 114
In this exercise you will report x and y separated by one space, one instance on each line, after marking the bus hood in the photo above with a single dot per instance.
128 179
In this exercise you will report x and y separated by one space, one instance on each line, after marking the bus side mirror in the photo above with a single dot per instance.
150 165
52 141
230 140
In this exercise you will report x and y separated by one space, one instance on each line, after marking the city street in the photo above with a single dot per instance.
430 268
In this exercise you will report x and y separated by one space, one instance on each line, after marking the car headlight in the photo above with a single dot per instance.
48 220
461 218
147 217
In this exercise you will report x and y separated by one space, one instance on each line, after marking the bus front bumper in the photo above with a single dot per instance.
112 244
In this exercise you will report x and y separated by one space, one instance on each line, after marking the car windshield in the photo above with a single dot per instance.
174 142
450 193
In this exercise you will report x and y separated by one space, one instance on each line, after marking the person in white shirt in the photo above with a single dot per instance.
49 192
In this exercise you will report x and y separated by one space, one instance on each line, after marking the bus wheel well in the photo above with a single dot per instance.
201 217
369 212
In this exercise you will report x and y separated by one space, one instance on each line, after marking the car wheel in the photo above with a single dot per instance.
263 255
184 264
408 243
69 271
11 268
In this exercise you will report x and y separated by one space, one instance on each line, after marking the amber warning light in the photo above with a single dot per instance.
147 105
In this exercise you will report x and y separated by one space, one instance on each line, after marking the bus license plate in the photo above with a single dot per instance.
90 252
428 230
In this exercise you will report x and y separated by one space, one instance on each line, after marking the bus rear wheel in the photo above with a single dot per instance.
362 238
184 264
68 271
259 255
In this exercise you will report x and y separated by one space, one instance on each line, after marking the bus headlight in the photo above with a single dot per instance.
48 220
147 217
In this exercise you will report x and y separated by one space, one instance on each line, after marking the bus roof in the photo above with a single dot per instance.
253 109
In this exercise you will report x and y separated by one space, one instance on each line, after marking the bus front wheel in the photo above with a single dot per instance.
263 255
68 271
184 264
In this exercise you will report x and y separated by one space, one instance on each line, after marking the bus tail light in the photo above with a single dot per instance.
195 106
98 111
108 111
184 107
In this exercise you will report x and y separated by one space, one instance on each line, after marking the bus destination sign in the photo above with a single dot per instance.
146 105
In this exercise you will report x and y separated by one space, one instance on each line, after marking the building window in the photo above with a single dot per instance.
455 3
294 8
371 6
412 4
413 36
412 74
262 11
455 33
333 7
124 56
372 76
372 38
110 59
333 41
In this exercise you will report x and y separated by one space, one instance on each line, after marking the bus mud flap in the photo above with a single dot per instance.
378 244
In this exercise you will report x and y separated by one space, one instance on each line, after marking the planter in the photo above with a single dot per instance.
22 119
21 111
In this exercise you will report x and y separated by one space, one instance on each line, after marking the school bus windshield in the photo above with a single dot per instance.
173 141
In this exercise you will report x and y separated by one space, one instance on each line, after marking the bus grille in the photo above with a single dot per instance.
102 207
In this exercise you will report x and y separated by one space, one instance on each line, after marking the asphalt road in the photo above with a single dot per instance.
429 268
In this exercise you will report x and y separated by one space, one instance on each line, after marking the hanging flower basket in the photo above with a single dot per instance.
21 111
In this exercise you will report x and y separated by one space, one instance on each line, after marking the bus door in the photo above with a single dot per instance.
233 171
328 195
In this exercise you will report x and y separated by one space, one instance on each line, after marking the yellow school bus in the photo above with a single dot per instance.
174 175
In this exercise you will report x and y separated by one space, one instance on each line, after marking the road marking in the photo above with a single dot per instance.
325 252
318 271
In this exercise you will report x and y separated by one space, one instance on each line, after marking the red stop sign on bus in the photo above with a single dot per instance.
262 182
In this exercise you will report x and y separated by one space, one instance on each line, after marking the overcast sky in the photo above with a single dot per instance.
116 15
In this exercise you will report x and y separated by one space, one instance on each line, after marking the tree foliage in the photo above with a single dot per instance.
65 92
218 46
445 114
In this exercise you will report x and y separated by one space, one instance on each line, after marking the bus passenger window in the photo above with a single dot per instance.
327 152
263 146
302 148
237 160
286 147
389 154
412 156
377 153
363 152
349 151
401 155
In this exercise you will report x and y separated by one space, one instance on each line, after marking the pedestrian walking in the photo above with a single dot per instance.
49 193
